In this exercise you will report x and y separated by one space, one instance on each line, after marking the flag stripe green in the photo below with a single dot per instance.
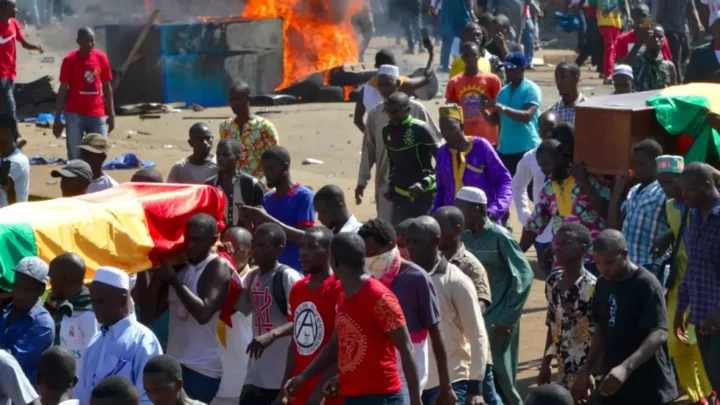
17 240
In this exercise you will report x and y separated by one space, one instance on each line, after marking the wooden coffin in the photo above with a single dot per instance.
607 128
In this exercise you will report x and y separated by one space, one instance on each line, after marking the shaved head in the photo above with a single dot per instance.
69 262
425 227
399 99
698 173
449 215
200 129
610 241
423 241
238 236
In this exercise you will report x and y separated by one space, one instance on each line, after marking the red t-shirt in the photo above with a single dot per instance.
626 41
10 32
313 312
466 91
85 76
366 355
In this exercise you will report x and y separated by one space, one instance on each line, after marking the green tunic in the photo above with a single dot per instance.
510 277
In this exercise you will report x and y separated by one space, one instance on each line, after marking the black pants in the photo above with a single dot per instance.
710 351
680 49
252 395
594 47
404 208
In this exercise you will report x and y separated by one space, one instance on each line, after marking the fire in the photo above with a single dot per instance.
317 34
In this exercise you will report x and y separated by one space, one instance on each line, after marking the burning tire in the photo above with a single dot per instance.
328 94
268 100
351 75
305 89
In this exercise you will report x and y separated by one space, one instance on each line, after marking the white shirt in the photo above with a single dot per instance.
103 182
14 386
20 175
371 97
352 225
76 331
527 171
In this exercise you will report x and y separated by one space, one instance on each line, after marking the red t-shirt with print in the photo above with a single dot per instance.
84 76
626 41
10 33
313 312
366 355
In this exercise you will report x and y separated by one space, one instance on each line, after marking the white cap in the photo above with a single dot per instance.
34 267
714 17
472 194
389 70
623 70
112 276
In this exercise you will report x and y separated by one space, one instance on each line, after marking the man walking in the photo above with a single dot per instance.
85 94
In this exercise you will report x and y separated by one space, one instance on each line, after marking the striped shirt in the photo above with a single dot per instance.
645 220
700 288
566 112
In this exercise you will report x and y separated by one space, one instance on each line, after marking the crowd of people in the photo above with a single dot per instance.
296 301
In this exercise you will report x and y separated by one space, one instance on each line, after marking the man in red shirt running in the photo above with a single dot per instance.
369 327
312 305
85 94
10 32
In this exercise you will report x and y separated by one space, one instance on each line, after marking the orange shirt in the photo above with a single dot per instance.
466 91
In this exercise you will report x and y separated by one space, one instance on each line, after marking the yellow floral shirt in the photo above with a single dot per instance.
256 136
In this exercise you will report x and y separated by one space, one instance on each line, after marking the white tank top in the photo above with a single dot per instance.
194 346
371 97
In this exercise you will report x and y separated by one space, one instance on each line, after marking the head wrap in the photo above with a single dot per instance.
670 164
623 70
389 70
113 277
472 195
451 111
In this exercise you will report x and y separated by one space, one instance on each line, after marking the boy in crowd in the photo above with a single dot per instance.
312 307
201 166
69 303
462 320
239 187
57 377
11 32
631 329
256 134
163 381
75 177
115 390
289 205
15 186
567 78
85 94
642 214
418 299
93 150
265 297
14 386
569 292
370 328
332 211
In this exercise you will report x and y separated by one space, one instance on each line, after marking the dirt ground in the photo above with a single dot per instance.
320 131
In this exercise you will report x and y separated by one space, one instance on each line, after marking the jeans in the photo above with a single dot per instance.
445 48
528 40
252 395
609 36
410 22
541 247
198 386
710 351
460 387
76 126
489 391
389 399
7 98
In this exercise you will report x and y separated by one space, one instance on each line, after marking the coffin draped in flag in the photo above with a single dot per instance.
132 227
683 110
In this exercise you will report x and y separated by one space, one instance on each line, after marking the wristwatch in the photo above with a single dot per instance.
503 109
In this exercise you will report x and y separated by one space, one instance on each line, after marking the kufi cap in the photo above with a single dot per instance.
451 111
670 164
34 267
472 194
389 70
113 277
623 70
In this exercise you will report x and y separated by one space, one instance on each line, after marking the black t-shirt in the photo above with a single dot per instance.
410 152
625 312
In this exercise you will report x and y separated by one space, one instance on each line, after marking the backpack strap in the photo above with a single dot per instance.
278 289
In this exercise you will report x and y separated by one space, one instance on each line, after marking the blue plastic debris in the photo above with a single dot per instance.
42 160
127 161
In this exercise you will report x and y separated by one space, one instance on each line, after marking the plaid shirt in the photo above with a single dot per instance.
645 220
565 112
700 288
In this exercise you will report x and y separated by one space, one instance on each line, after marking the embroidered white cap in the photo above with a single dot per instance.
113 277
389 70
623 70
472 194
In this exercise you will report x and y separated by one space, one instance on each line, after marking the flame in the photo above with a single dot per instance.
317 34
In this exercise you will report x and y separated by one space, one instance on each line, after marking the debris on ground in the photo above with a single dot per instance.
127 161
42 160
311 161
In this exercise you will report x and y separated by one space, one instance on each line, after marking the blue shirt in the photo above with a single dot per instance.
645 220
28 337
418 299
295 209
122 349
516 136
